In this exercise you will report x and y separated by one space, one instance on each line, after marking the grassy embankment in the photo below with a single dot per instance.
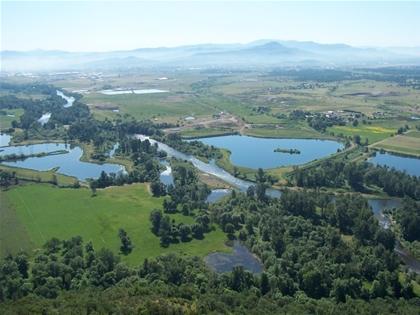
40 176
47 212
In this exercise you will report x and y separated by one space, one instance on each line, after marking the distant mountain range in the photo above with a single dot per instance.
254 54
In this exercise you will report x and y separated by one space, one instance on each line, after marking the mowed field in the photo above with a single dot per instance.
13 236
407 143
46 212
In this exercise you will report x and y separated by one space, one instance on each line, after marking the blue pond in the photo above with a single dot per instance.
241 256
410 165
259 152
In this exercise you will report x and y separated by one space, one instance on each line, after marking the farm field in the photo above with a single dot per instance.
47 212
408 142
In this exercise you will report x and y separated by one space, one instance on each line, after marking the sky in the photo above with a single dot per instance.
82 26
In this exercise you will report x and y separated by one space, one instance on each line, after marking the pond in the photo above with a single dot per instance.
222 262
410 165
259 152
69 163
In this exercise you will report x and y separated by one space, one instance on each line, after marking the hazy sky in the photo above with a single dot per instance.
122 25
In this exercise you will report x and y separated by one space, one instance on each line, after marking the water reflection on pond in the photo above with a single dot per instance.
4 140
410 165
259 152
222 262
68 163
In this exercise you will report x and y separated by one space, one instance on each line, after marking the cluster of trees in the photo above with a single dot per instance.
195 147
408 219
146 168
7 178
298 114
361 177
188 194
320 122
143 127
187 190
169 230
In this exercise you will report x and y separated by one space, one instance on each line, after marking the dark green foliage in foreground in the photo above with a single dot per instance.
408 217
361 177
323 254
86 281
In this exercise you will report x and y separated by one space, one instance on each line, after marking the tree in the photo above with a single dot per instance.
155 218
5 177
157 188
357 139
184 231
261 189
250 192
260 176
230 228
126 246
93 186
52 246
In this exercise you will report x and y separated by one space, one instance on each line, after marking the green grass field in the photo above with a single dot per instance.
374 132
14 238
168 107
6 121
47 212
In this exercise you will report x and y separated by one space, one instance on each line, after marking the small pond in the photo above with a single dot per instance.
222 262
259 152
166 175
410 165
217 194
69 163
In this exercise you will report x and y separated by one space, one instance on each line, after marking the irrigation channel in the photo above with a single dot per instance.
223 262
